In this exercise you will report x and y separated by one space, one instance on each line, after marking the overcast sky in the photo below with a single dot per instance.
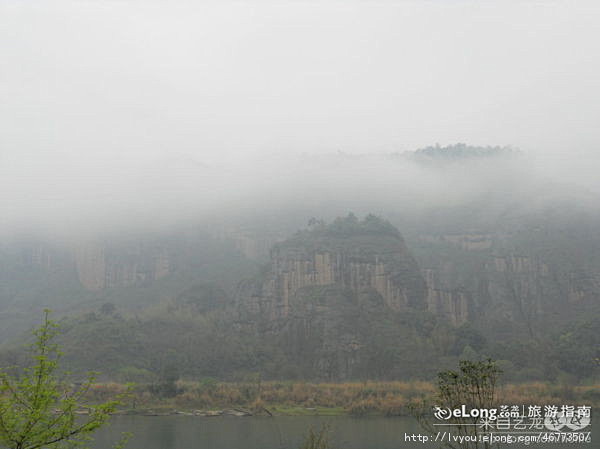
89 87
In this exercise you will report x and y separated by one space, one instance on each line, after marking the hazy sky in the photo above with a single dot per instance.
92 91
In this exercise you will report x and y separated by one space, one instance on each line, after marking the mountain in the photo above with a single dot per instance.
510 270
336 297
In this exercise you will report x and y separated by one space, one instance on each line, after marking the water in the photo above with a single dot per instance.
190 432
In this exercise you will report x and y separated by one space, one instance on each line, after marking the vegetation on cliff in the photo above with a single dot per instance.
329 305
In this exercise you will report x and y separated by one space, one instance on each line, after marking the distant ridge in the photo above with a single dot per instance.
461 151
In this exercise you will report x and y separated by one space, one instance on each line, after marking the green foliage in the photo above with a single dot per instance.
207 384
133 374
578 349
468 336
204 297
167 381
317 439
351 225
461 151
473 386
38 409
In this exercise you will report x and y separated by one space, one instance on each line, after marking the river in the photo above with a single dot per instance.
190 432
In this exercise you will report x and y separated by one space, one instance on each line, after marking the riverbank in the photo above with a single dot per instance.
211 398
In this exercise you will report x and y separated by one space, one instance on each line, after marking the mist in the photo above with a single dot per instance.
297 208
125 114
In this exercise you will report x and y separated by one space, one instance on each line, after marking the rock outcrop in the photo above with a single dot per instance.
358 260
334 295
512 285
451 305
99 266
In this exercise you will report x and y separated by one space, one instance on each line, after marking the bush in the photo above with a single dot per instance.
317 440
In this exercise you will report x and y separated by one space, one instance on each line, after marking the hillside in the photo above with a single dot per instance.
352 300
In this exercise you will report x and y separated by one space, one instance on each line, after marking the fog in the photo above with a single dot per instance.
147 114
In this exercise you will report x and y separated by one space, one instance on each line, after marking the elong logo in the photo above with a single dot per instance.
462 412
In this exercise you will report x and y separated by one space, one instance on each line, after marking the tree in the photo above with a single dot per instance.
39 409
474 387
108 309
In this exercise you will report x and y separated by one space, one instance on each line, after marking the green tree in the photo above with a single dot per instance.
39 409
473 386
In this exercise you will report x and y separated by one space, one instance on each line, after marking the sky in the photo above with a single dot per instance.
95 93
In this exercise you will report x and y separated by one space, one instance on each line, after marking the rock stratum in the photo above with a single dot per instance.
368 257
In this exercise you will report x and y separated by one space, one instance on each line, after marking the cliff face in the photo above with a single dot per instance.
356 262
511 284
476 278
289 274
136 262
454 306
57 274
534 292
331 292
99 267
91 266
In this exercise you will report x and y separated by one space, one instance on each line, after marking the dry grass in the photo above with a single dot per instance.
358 398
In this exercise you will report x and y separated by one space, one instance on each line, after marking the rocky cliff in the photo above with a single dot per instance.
101 266
332 293
350 255
516 284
